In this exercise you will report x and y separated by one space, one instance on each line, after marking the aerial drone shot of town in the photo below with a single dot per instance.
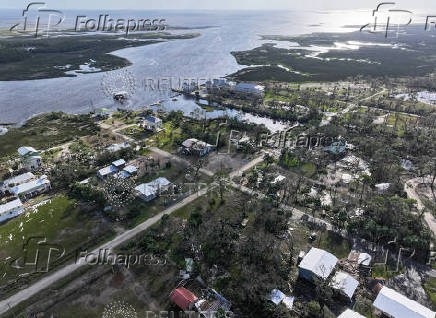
217 159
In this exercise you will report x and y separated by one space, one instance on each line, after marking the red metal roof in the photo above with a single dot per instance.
182 297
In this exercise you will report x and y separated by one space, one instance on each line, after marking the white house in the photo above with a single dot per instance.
14 181
395 305
152 123
350 314
32 188
196 147
249 88
149 191
30 158
107 172
10 210
317 262
344 283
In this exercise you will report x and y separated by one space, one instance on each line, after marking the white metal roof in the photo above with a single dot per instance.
30 186
319 262
153 187
130 169
398 306
107 170
25 150
4 208
19 179
350 314
119 162
344 282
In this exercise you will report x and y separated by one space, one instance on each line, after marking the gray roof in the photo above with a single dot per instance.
30 186
19 179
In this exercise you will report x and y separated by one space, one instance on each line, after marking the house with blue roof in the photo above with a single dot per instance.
152 123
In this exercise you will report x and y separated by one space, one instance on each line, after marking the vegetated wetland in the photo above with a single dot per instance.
29 58
336 56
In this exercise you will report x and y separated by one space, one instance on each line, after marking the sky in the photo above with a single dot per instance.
427 6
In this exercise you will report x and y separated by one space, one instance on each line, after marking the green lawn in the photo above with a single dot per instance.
333 243
46 131
430 288
61 222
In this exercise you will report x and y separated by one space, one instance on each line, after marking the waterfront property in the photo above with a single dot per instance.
149 191
317 263
10 210
152 123
31 189
249 88
30 158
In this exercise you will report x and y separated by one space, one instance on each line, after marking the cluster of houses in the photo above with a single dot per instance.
24 186
119 169
247 88
221 83
145 191
321 264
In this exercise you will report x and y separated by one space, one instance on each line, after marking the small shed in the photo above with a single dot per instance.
183 298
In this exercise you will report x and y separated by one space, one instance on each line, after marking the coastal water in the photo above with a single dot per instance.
207 56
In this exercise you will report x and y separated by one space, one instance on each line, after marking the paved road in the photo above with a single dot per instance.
69 269
124 237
